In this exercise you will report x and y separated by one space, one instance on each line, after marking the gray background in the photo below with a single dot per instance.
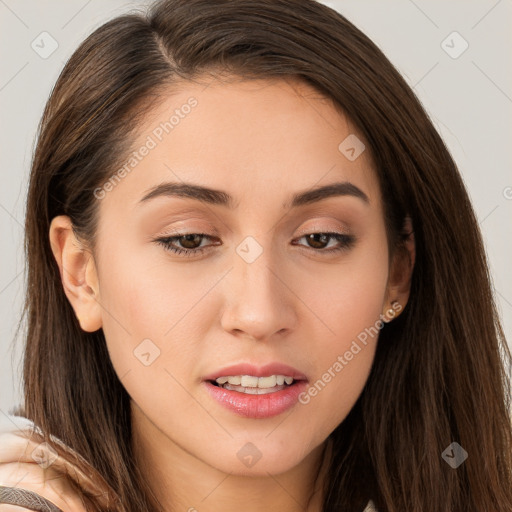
468 96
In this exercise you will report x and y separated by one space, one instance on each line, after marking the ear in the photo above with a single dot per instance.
78 273
400 272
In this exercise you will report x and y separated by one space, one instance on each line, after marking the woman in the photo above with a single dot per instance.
255 278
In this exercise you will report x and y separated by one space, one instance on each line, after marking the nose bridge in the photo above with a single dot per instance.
253 267
257 301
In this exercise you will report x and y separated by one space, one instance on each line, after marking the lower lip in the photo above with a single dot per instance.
257 406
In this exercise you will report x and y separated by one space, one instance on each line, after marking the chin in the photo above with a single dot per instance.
260 457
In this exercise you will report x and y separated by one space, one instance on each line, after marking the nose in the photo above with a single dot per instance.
258 298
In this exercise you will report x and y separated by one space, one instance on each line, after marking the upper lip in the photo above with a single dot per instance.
267 370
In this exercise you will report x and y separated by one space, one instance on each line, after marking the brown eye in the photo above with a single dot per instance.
319 241
190 241
188 244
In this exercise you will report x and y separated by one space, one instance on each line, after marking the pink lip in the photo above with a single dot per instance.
257 371
257 406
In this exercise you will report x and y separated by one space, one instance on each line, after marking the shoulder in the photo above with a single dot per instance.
27 465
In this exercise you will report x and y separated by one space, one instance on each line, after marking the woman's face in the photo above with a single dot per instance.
264 287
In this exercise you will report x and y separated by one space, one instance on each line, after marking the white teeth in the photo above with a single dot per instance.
266 382
249 381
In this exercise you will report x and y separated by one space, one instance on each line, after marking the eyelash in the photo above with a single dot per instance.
347 241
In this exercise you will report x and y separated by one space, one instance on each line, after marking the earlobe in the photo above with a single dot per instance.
78 273
401 269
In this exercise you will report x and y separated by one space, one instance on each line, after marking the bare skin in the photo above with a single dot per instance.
261 142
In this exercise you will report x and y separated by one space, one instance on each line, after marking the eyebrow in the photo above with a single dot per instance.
220 198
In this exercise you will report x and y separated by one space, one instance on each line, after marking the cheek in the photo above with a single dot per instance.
141 294
150 348
348 296
149 315
350 302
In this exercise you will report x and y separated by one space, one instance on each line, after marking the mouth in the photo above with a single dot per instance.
252 385
255 397
254 391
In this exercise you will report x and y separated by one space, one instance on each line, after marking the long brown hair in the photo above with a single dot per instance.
441 372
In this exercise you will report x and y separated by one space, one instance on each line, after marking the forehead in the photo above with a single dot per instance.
258 139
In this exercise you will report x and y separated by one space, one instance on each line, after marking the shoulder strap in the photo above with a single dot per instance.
25 498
